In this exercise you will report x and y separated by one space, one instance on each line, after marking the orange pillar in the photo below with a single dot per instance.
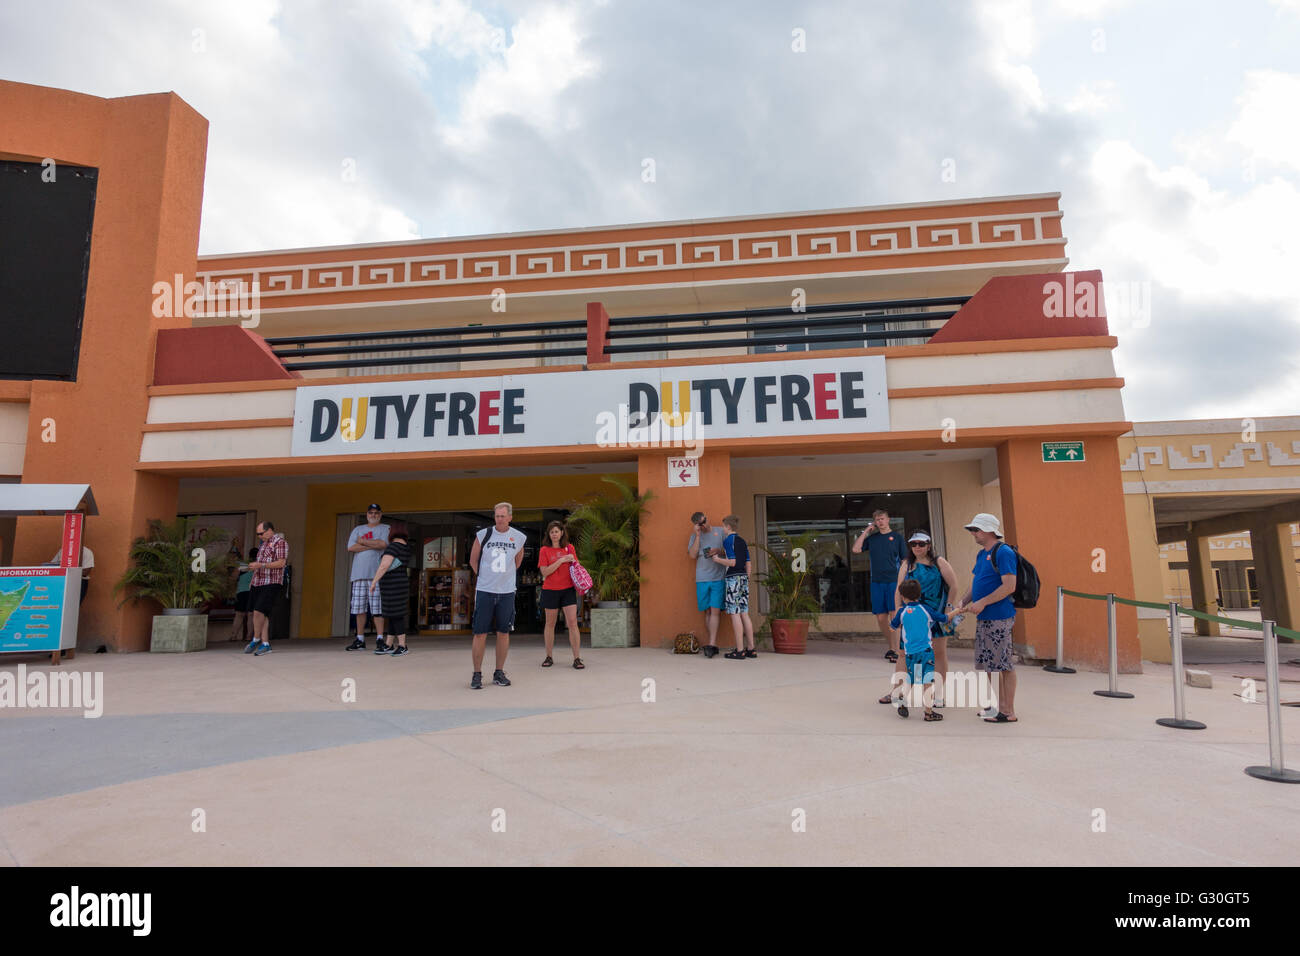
1069 520
668 590
150 153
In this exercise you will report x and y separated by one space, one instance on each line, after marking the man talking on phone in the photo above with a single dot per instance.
704 542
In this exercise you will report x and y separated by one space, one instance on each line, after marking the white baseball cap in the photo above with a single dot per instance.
985 522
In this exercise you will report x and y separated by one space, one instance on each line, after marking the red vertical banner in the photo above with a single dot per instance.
70 553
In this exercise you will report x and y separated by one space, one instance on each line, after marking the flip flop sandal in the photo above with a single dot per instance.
548 662
1001 718
891 656
934 715
577 664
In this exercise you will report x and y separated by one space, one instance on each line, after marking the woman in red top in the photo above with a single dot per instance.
558 591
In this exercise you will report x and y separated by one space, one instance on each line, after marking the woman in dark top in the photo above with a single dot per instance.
394 583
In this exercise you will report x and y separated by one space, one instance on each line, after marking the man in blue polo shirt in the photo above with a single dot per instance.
887 552
989 598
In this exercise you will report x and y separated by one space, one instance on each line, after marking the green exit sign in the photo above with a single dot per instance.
1062 451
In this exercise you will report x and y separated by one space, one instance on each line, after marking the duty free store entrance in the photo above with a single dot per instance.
441 598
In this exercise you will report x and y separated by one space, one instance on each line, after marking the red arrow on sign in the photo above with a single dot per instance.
684 475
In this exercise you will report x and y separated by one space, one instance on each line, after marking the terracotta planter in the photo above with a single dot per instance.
789 637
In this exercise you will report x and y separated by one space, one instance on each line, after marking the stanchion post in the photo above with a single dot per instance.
1058 667
1112 640
1275 770
1179 720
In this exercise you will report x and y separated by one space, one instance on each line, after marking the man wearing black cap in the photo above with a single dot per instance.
367 543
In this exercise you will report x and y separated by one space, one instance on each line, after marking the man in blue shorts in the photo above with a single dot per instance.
704 542
887 552
989 599
497 553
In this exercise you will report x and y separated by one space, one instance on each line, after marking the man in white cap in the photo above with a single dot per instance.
989 598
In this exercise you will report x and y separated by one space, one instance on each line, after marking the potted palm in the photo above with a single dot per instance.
164 568
606 532
791 604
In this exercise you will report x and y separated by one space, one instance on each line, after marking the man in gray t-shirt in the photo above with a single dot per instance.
704 542
366 544
495 557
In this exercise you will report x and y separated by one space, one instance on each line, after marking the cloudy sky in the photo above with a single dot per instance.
1169 126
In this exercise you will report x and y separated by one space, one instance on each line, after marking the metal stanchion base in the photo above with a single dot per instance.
1180 724
1280 776
1053 669
1112 693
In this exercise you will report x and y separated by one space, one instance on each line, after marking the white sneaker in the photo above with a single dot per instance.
987 712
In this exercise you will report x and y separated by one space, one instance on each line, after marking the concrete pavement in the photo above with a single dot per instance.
782 760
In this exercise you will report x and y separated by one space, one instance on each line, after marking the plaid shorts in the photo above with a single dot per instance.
364 599
737 596
993 645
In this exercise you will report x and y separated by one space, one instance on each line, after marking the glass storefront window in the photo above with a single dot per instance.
839 579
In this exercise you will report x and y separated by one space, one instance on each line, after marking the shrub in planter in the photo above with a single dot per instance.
164 569
791 604
606 534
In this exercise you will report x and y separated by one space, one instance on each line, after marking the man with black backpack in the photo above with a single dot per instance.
990 599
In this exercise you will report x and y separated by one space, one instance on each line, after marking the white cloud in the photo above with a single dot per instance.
545 57
1266 124
1096 97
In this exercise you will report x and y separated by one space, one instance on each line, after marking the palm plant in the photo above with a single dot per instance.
607 534
789 592
162 567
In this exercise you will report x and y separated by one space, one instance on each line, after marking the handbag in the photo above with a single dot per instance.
686 643
581 576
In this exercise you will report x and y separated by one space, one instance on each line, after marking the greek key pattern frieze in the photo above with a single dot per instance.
647 256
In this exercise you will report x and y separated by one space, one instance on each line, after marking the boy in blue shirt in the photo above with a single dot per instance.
735 558
915 622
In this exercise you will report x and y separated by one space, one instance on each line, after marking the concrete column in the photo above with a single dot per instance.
667 605
1201 576
150 153
1083 546
1275 571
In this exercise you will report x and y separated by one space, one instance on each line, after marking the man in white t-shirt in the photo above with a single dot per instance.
366 544
87 565
497 553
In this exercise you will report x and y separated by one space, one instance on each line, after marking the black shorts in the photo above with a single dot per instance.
241 601
554 599
494 612
262 598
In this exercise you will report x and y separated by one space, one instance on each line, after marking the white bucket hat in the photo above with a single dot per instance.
985 522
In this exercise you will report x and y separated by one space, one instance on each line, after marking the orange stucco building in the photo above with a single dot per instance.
912 356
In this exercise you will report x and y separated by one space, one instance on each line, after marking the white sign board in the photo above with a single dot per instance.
683 472
610 407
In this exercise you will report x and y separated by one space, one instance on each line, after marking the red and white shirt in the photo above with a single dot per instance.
277 549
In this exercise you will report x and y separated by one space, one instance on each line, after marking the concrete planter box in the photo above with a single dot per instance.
614 625
175 633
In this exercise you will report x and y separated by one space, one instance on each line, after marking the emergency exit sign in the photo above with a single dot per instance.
1062 451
